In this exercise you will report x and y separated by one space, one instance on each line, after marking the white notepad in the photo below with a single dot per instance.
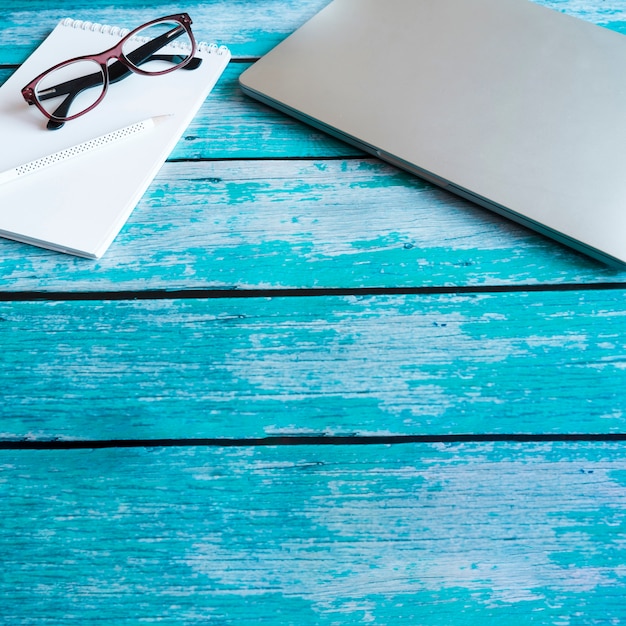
79 206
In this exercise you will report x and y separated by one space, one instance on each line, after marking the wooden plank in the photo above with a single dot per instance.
250 224
551 362
416 534
249 28
232 126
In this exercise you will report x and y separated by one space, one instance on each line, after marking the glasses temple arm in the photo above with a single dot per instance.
145 53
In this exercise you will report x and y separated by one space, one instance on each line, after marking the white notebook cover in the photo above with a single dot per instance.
79 206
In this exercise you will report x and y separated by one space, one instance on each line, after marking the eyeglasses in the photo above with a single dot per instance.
74 87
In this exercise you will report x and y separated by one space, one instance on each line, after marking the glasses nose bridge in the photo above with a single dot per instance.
106 58
113 57
109 61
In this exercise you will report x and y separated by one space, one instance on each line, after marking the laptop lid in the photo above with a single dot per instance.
504 102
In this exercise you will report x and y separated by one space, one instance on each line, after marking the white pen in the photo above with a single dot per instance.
87 146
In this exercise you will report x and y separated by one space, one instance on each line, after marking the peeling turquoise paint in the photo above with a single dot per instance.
405 533
373 365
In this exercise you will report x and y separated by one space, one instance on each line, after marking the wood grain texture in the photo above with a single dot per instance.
302 224
474 534
250 29
230 125
491 363
354 224
471 534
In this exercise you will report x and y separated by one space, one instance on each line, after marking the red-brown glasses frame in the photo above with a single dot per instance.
103 58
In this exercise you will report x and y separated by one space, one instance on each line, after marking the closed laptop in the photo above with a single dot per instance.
505 102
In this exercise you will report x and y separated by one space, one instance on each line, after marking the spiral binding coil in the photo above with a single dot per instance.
208 48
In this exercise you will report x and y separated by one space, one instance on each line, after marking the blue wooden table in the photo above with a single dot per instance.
303 387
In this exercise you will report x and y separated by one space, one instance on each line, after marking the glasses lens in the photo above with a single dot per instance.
71 89
159 47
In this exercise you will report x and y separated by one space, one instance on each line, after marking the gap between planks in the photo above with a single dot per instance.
209 294
311 440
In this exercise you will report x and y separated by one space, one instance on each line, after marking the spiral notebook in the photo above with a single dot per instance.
79 205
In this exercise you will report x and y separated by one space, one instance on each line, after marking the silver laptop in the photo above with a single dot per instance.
504 102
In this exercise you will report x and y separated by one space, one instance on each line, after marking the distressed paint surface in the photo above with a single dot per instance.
420 238
250 29
472 534
321 223
502 533
503 363
231 125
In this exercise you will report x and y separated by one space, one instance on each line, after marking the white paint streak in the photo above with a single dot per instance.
482 528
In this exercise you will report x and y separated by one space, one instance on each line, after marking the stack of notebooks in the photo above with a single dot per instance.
79 205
